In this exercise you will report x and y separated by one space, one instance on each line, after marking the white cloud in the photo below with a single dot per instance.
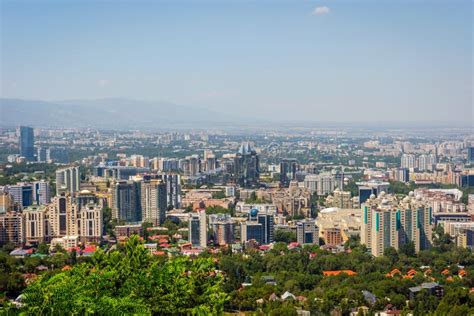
103 82
321 11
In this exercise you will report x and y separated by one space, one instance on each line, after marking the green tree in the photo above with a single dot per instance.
43 248
284 236
408 249
129 282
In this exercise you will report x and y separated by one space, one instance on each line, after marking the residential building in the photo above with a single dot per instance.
392 222
341 199
173 188
153 201
41 192
90 223
307 232
190 165
65 242
408 161
222 228
126 201
6 201
198 229
62 217
288 168
322 184
426 162
22 194
124 231
332 236
68 180
11 228
403 175
34 218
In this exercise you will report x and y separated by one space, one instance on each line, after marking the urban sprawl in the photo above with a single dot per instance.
329 200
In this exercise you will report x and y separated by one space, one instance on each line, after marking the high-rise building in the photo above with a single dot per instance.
259 226
34 218
322 184
311 182
408 161
139 161
126 201
153 201
173 189
90 223
11 228
251 230
41 192
84 198
288 168
165 164
68 180
6 202
210 162
392 222
190 165
43 154
426 162
222 229
246 166
307 232
62 217
403 175
366 189
342 199
172 182
27 143
22 194
198 229
470 155
332 236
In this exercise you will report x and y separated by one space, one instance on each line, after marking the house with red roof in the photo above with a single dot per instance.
337 272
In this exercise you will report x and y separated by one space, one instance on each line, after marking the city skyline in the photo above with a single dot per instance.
331 60
204 157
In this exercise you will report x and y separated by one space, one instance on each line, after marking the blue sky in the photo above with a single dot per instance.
313 60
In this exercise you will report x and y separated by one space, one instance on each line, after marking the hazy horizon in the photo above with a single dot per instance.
305 61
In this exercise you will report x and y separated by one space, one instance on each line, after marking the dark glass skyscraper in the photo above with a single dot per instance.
470 155
288 168
27 143
246 166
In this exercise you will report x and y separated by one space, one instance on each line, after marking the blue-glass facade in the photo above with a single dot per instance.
27 143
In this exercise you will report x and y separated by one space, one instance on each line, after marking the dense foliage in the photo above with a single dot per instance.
129 281
300 272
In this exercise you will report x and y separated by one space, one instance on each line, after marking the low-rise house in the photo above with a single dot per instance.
288 296
433 288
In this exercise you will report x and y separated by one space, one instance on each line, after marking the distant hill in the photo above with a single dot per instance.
115 113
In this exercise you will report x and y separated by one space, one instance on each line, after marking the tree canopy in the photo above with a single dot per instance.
130 282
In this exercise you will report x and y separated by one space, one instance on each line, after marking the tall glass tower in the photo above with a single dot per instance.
27 143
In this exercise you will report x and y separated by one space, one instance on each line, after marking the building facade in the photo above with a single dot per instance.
392 222
27 143
198 229
307 232
68 180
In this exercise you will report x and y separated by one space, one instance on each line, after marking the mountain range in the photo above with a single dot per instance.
113 113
